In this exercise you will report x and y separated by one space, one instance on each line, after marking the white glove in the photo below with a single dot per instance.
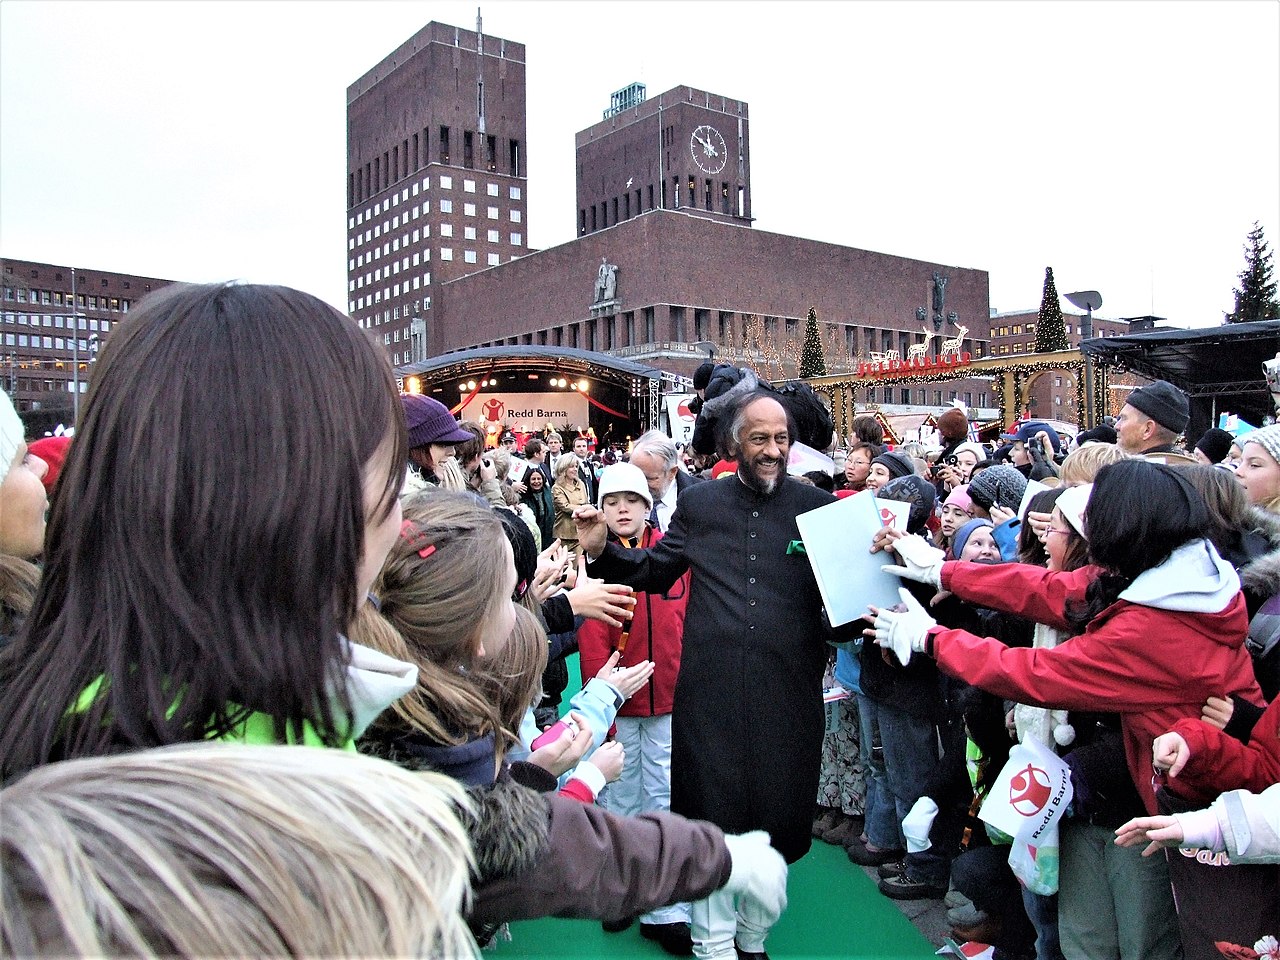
923 563
917 823
758 877
904 633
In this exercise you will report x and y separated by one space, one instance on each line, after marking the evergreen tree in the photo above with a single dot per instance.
812 361
1256 295
1051 331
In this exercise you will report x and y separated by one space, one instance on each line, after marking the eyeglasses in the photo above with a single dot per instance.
1057 530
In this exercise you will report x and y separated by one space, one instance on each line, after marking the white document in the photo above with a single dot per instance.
1033 487
519 468
802 459
837 540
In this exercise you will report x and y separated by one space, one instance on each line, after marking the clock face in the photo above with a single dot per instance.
708 149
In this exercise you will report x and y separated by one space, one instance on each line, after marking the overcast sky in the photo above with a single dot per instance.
1130 146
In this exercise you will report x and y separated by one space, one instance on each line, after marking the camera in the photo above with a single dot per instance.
553 733
951 460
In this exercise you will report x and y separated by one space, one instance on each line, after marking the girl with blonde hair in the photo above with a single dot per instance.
203 850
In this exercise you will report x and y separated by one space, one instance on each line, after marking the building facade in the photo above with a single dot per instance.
436 178
1052 396
55 319
685 149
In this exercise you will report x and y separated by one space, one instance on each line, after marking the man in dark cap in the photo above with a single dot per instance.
1150 422
1213 446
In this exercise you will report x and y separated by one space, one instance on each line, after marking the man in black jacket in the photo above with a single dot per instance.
747 720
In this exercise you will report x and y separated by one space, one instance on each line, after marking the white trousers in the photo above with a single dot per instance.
715 924
645 784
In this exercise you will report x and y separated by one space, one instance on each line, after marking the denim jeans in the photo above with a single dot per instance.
883 826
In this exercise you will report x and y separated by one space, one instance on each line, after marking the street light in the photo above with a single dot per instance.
1088 301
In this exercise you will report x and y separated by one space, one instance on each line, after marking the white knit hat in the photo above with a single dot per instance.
624 478
12 433
1072 504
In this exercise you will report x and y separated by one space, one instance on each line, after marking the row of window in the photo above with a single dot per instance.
635 202
33 385
376 231
443 182
52 320
420 257
921 396
415 152
59 299
48 343
444 230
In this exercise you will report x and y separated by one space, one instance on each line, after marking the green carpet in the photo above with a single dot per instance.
834 910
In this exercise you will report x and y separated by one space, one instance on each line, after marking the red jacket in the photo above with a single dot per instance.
656 634
1152 666
1219 762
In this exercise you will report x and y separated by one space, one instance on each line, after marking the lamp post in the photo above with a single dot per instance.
75 353
1088 301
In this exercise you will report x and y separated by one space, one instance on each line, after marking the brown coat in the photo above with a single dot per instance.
568 496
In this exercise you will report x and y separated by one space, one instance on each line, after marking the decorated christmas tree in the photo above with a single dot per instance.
812 362
1051 331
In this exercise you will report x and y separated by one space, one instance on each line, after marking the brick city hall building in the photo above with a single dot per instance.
665 267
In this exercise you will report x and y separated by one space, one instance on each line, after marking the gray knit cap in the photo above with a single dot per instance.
1268 438
1000 484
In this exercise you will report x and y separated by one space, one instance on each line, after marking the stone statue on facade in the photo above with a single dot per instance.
606 282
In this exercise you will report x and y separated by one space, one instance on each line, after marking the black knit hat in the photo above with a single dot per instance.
1164 403
1215 444
702 376
1099 434
898 465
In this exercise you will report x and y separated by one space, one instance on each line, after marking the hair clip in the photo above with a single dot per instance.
416 537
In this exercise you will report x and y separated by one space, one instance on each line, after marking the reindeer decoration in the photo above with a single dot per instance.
917 351
952 344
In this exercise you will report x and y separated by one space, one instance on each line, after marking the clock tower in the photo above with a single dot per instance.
686 150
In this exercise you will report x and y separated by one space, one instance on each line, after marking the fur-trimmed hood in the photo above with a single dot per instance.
1262 574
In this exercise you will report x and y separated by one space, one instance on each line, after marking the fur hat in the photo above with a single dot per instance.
964 533
953 425
1073 503
897 464
959 497
624 478
1001 484
915 490
1099 434
430 421
1267 437
1164 403
1215 444
12 433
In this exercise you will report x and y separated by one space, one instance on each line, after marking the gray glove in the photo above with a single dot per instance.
922 563
758 877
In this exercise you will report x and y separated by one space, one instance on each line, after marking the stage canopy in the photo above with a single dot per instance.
1220 368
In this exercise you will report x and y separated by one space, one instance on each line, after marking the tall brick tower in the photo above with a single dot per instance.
436 177
685 149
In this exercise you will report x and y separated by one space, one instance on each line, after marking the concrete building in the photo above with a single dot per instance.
55 319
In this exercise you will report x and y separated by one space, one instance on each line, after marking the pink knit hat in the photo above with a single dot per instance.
959 497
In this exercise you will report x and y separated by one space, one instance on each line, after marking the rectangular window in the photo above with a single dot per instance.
516 215
491 154
468 233
492 189
514 162
446 183
693 192
468 186
468 149
515 193
446 253
469 256
492 259
446 206
444 144
516 240
492 213
493 236
469 209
